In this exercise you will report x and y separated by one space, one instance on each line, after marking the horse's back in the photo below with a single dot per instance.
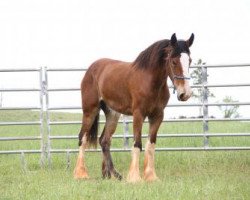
105 64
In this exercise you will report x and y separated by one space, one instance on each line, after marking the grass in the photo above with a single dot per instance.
183 175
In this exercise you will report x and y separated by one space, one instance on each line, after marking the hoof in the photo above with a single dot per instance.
80 173
117 175
109 174
150 176
134 178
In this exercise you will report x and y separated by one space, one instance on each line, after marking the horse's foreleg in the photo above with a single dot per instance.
134 172
149 168
108 169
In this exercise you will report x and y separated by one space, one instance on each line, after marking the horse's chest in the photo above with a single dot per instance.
158 100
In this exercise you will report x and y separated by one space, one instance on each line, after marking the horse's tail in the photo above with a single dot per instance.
93 133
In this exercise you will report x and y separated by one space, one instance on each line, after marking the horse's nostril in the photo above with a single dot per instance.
181 96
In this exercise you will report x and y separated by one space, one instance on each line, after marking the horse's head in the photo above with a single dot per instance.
179 61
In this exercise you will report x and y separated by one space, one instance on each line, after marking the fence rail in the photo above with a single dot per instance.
45 123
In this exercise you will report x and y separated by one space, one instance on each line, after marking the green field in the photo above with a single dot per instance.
183 175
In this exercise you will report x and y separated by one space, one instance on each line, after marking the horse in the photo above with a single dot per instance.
137 88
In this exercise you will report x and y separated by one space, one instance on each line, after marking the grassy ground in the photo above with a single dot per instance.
183 175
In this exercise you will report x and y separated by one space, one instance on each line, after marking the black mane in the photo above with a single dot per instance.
155 55
152 56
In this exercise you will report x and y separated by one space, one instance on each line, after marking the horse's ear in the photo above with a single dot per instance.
173 40
190 40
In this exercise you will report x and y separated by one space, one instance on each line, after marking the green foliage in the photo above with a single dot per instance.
230 111
196 76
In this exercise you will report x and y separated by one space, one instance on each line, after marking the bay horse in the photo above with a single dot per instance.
136 88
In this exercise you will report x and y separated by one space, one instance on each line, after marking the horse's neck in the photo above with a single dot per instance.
159 77
171 78
168 73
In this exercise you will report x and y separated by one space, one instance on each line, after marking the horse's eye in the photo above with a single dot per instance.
174 63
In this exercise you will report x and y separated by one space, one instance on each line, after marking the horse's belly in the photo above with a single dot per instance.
113 89
120 105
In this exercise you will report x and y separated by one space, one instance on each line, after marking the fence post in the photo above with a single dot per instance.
205 106
23 162
42 133
47 116
68 159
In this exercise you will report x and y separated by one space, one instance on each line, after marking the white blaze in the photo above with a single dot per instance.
185 64
185 89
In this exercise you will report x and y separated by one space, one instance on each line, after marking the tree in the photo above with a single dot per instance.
197 78
229 111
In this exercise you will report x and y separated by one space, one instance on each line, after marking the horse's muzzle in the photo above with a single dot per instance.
183 96
184 93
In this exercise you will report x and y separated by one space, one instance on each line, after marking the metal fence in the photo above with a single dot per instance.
39 122
45 123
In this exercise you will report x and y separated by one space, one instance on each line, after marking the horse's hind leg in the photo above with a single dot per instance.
88 133
112 118
80 171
